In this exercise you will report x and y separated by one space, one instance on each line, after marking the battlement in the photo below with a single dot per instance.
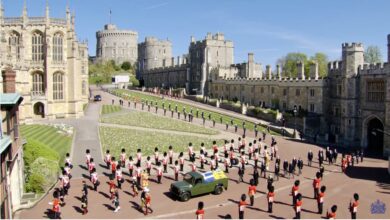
284 80
154 40
335 65
179 67
352 47
378 68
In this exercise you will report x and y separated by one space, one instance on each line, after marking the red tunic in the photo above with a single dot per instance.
199 214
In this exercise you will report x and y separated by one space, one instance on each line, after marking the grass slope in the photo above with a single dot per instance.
149 120
49 136
107 109
114 139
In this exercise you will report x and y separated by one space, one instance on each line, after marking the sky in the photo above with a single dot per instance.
269 29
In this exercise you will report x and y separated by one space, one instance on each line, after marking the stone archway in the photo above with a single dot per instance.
39 109
374 135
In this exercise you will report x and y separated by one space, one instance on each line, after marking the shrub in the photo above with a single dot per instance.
47 168
34 149
126 65
35 183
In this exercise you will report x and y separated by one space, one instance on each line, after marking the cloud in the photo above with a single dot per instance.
157 6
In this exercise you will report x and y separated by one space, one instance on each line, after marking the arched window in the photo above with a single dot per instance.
58 86
14 42
37 80
37 46
57 47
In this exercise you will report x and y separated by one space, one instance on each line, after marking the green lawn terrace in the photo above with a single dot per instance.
114 139
142 97
150 120
57 137
108 109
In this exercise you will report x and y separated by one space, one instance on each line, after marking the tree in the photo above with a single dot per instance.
126 65
322 61
289 64
372 55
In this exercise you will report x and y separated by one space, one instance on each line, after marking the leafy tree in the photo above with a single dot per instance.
322 61
289 64
126 65
372 55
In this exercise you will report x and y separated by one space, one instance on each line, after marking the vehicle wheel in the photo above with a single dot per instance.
185 197
218 190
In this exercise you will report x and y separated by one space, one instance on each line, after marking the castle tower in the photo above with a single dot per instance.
388 48
352 58
251 63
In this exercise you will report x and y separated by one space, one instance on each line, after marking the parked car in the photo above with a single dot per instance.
97 98
196 183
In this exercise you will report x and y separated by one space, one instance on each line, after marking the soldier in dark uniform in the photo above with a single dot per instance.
235 128
256 176
213 122
227 126
277 170
285 168
309 158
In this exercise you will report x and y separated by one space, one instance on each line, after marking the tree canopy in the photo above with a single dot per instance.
372 55
289 64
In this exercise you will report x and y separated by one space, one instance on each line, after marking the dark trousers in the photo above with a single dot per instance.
159 179
170 160
176 176
201 165
165 168
138 180
297 215
240 214
108 165
294 200
226 169
320 207
353 215
95 186
130 172
270 207
252 199
315 193
148 170
119 184
181 167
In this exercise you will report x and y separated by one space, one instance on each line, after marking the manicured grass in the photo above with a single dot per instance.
107 109
114 139
50 136
142 97
150 120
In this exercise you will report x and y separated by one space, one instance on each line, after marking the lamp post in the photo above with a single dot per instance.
295 120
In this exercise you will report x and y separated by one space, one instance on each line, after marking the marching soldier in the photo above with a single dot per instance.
354 205
256 175
123 157
94 179
200 212
156 155
87 157
202 159
114 164
165 162
159 172
252 191
285 168
316 185
332 213
320 199
294 192
130 166
298 206
227 163
148 165
241 206
309 158
300 166
91 165
134 186
69 161
250 151
107 159
118 176
139 157
181 161
176 170
270 198
170 152
138 173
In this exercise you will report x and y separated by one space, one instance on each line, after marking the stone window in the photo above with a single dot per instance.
58 47
376 91
37 46
312 92
14 44
284 92
272 90
298 92
311 108
84 87
37 82
58 86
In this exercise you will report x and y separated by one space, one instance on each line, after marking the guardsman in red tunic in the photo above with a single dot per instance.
139 157
123 157
94 179
134 186
200 212
332 213
190 151
316 184
148 165
107 159
320 199
56 208
270 198
252 191
112 188
165 162
250 151
193 166
181 161
156 155
87 156
170 153
227 164
138 173
68 160
241 206
202 159
176 170
354 205
130 166
114 164
91 165
215 146
298 206
294 191
118 176
231 156
159 172
212 163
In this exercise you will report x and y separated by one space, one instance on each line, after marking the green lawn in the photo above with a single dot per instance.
50 136
107 109
150 120
214 115
115 139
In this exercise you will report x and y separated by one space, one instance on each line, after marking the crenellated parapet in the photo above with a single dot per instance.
372 69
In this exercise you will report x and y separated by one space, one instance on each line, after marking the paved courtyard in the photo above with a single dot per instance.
369 179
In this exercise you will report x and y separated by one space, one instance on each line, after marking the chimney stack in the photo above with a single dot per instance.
9 80
314 70
278 71
173 61
268 71
301 70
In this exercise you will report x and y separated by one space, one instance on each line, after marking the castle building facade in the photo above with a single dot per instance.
51 65
351 104
117 45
